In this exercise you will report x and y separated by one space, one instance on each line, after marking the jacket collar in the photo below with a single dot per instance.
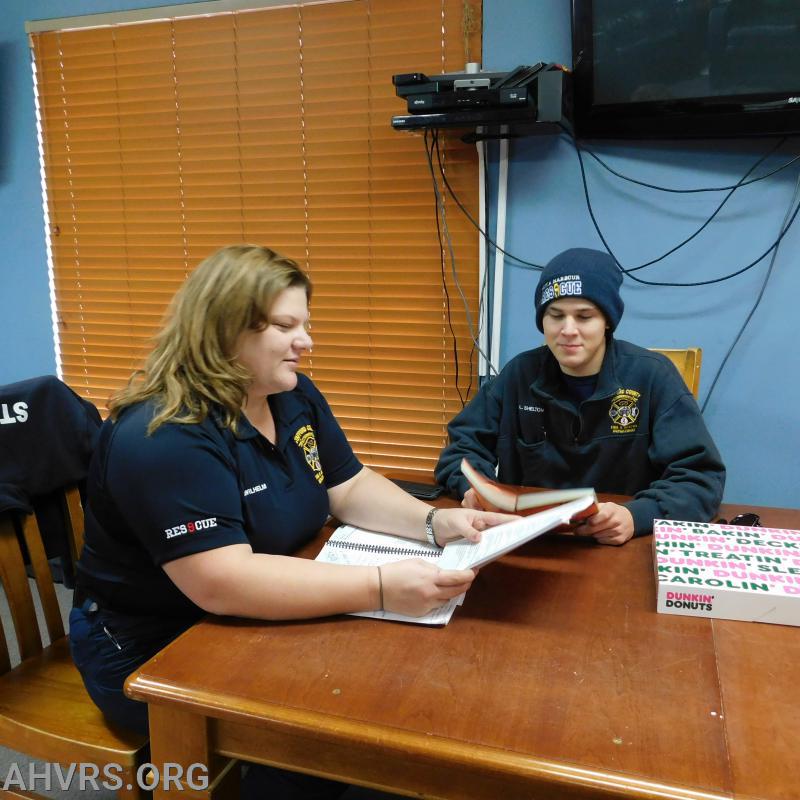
548 382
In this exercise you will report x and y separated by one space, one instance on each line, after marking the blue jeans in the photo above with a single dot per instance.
107 647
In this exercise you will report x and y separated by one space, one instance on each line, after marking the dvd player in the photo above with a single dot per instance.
473 98
466 118
409 83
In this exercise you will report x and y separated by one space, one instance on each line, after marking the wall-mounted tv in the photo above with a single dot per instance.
686 68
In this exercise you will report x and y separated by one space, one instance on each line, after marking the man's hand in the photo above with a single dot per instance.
612 524
470 500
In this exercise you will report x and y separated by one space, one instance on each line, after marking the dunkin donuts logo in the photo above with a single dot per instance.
690 600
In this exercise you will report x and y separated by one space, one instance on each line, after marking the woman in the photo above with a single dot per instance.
220 460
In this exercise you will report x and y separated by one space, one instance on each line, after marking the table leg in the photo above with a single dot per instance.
185 764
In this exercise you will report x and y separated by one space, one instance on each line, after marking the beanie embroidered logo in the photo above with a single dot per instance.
563 286
306 440
624 411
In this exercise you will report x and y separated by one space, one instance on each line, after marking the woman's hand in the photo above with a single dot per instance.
415 587
370 501
465 523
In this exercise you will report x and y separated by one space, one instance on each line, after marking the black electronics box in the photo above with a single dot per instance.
528 95
476 98
409 83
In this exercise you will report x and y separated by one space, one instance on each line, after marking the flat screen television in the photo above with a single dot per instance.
686 68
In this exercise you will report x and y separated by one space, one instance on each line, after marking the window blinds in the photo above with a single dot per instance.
165 140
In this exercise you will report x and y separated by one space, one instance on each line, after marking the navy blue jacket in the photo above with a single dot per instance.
641 433
189 488
47 434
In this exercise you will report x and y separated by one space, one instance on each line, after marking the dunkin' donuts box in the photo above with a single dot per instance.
727 571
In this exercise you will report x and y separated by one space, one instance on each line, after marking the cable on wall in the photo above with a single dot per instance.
670 283
520 261
741 182
784 227
689 191
440 213
432 147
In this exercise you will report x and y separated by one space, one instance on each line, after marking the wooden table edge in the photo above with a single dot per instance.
473 758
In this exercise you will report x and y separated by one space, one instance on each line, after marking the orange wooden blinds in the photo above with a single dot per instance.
165 140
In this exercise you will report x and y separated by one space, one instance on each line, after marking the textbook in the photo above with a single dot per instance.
502 539
523 500
349 545
727 571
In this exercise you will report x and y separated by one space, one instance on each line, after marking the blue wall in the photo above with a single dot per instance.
752 412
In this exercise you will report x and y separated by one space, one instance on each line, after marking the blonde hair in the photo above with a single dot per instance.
192 366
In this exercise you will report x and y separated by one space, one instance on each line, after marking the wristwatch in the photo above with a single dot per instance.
429 534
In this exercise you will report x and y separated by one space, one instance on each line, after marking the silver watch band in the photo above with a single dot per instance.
429 534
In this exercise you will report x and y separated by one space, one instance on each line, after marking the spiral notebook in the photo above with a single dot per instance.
358 547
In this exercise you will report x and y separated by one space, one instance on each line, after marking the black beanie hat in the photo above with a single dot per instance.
581 272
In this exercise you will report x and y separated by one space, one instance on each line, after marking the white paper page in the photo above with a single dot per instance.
502 539
439 616
357 547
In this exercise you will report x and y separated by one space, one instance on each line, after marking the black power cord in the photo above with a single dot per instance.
429 147
628 272
784 228
788 220
742 182
688 191
520 261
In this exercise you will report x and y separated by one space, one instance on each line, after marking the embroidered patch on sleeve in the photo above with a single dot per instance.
306 440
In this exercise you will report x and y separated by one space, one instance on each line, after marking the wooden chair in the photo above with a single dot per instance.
688 362
45 711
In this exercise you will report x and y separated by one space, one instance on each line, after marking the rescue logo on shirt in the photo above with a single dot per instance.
191 527
563 286
306 440
624 412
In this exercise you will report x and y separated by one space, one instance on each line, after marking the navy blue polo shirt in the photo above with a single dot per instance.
189 488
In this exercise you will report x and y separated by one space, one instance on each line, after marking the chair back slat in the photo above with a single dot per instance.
5 658
43 577
74 521
18 591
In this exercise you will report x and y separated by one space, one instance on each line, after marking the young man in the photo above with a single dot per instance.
590 410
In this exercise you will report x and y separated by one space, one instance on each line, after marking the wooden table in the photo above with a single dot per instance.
555 679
